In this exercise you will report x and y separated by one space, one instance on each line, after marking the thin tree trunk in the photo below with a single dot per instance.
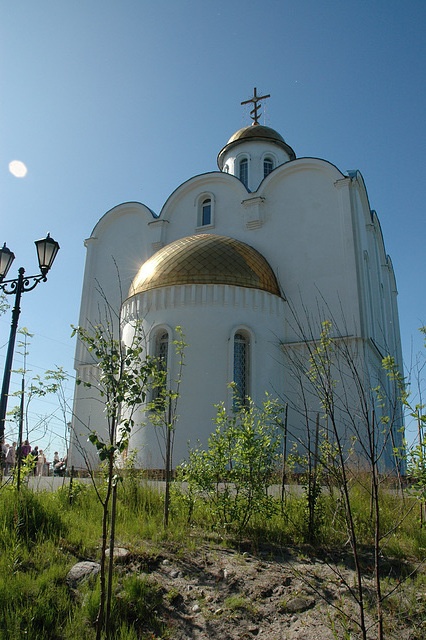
111 559
376 506
377 554
421 449
168 456
351 529
21 426
101 611
70 485
283 470
310 495
398 468
314 477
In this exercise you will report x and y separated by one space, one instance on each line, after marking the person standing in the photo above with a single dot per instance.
25 450
10 458
5 450
41 461
34 453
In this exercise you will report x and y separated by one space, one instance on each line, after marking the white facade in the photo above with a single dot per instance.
314 227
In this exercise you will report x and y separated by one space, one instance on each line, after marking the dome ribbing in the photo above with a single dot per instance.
206 259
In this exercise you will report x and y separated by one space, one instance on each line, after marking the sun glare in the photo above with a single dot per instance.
18 169
147 270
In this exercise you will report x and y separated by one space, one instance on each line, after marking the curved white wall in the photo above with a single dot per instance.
315 228
209 316
255 151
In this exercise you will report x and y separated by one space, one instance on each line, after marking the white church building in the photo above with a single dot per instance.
238 257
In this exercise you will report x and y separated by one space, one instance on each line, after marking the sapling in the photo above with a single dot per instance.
162 411
124 375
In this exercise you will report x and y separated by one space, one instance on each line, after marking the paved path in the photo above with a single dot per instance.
52 483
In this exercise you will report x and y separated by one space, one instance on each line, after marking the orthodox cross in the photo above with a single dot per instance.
255 100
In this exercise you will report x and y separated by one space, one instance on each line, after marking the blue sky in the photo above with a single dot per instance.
112 101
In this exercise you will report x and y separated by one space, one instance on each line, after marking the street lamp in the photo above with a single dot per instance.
46 252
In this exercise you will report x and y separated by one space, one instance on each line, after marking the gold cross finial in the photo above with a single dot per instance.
255 100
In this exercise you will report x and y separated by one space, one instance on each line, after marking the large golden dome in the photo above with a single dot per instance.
255 131
206 259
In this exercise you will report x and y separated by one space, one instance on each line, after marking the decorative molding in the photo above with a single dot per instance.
88 372
194 295
156 246
342 182
90 240
157 228
160 222
253 212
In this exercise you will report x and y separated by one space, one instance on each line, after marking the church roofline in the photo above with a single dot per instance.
294 164
300 164
118 210
224 176
357 178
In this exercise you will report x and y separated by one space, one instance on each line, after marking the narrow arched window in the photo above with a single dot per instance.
241 370
206 212
162 347
268 165
161 354
243 174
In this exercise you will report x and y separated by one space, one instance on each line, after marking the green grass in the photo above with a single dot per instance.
43 535
239 603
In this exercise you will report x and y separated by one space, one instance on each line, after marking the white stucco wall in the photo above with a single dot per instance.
315 228
300 219
255 152
209 315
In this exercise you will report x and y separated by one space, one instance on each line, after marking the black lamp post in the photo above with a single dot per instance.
46 252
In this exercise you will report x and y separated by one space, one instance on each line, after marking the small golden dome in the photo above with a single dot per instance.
206 259
255 132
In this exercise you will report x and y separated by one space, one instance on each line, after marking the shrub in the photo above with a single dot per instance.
235 471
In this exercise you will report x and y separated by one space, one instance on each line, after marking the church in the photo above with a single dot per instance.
248 260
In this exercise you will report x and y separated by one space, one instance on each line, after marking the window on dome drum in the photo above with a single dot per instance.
268 165
160 353
206 212
241 370
243 175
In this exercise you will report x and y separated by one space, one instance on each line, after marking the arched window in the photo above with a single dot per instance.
161 349
205 209
206 212
226 168
241 369
243 171
268 166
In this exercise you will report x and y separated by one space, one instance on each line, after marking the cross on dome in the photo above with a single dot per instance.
255 100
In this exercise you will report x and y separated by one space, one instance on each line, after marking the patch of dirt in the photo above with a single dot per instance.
214 593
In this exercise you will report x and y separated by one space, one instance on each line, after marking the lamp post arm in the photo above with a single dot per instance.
28 283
